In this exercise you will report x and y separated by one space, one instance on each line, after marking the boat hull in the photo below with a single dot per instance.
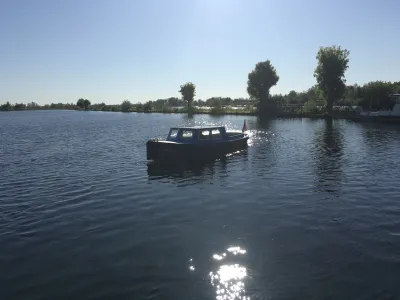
167 151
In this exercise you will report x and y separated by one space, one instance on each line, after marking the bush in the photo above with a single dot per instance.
126 106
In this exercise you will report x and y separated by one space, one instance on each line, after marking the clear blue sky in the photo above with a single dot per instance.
108 51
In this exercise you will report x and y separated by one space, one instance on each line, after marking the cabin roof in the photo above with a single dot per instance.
197 127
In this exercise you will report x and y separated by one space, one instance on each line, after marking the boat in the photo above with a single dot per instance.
197 143
392 115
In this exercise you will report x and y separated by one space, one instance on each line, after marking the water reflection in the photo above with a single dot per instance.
180 170
328 156
217 118
229 277
202 120
188 119
191 266
262 146
380 137
263 124
194 171
259 131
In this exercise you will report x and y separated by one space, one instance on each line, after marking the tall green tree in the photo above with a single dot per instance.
80 103
259 82
188 91
86 104
332 63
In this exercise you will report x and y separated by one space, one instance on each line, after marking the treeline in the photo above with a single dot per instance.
172 104
35 106
373 95
329 92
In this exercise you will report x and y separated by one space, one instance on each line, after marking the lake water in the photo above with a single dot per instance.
310 211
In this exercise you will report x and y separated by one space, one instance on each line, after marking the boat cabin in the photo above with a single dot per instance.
196 134
198 143
395 98
394 112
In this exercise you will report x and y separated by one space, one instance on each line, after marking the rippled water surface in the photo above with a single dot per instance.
310 211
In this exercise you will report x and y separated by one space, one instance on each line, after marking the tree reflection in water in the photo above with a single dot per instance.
328 157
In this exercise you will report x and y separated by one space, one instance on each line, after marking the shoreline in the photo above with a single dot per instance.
222 113
288 115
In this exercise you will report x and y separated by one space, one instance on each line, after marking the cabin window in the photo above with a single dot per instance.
215 134
174 133
204 135
187 134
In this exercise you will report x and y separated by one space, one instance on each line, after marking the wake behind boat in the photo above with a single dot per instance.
197 143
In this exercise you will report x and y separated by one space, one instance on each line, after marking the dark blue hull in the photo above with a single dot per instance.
164 150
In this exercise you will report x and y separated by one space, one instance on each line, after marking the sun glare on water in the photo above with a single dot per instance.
228 279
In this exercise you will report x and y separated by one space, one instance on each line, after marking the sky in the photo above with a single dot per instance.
141 50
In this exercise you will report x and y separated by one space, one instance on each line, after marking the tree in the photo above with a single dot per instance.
214 102
201 102
86 104
19 106
313 94
376 95
98 106
259 82
188 91
332 64
57 106
139 107
6 107
216 105
148 106
80 103
32 105
351 96
278 99
292 98
126 106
